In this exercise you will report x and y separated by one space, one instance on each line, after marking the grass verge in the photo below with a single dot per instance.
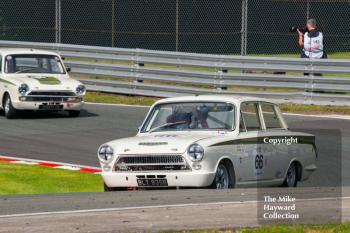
328 228
26 179
147 101
315 109
96 97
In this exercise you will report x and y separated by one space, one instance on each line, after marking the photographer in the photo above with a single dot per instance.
311 41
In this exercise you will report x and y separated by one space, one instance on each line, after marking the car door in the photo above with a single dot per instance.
251 158
276 154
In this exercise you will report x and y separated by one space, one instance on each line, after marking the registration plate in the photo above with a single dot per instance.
51 107
152 182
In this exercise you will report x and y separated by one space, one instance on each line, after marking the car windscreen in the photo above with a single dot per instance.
190 116
33 63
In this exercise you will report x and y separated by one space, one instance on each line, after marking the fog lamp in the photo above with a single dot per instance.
106 168
197 166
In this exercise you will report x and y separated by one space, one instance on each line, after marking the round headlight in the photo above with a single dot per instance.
105 153
23 89
195 152
80 90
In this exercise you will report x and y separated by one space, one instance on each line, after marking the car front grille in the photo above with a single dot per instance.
151 163
54 96
52 93
46 99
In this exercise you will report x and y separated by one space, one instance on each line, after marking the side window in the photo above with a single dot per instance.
0 63
242 127
250 115
55 65
271 118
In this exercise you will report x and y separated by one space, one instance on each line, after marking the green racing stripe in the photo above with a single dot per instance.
49 81
5 81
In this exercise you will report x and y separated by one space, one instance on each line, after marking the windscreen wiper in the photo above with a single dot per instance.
166 125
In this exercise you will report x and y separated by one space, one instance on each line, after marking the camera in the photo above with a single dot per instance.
295 28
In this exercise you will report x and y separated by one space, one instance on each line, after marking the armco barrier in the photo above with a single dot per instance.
165 74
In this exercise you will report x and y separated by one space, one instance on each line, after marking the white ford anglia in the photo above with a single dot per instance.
209 141
37 80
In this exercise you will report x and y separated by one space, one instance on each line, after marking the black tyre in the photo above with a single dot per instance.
73 113
291 179
9 111
112 189
223 179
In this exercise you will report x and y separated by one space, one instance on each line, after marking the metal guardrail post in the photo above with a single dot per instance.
312 75
220 73
136 65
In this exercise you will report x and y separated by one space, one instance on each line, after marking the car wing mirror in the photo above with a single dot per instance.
68 69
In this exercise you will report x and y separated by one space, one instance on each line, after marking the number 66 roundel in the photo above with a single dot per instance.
259 161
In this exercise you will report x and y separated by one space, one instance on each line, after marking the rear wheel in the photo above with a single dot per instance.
222 178
9 110
112 189
291 179
73 113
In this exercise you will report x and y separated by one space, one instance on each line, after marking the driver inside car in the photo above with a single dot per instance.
179 115
199 118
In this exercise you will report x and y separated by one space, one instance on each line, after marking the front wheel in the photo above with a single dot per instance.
291 179
9 110
222 178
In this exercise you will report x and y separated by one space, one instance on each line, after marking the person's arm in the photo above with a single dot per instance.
300 40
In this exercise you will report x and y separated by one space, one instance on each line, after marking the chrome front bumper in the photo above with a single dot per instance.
49 100
48 103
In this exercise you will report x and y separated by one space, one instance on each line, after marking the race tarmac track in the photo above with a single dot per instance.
55 137
168 210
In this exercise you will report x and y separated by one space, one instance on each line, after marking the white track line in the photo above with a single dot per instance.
345 117
27 162
158 206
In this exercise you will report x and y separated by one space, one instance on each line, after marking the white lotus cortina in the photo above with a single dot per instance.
37 80
209 141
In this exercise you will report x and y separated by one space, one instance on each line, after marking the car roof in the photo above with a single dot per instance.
235 99
9 51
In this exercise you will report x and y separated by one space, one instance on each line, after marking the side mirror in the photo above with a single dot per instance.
68 69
